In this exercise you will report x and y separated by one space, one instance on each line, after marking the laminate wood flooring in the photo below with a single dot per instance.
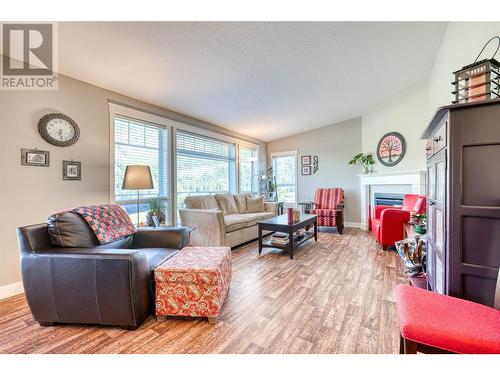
335 296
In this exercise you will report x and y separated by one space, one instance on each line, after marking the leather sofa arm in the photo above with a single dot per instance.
173 238
93 286
210 228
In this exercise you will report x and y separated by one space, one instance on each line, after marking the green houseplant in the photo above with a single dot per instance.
420 223
366 160
158 207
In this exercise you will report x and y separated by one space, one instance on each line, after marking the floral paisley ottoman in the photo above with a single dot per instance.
194 282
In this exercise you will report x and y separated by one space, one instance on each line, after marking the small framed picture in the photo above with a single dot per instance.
72 170
35 158
306 170
305 159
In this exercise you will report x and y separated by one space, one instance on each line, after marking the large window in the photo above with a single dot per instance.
204 166
247 171
140 143
284 170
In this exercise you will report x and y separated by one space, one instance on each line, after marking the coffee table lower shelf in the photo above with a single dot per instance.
296 242
280 224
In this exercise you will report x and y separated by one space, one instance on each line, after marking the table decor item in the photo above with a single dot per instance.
289 212
296 215
478 81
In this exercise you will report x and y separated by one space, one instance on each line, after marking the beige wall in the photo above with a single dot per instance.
335 145
30 194
407 114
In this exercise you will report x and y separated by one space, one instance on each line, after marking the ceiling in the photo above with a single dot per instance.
266 80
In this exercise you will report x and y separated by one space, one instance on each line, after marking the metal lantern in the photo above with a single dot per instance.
479 80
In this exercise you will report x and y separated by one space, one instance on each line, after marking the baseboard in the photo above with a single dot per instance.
349 224
10 290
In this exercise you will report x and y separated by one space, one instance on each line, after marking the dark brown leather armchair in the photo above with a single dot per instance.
104 284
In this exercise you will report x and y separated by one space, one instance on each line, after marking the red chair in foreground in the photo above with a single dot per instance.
434 323
387 222
328 206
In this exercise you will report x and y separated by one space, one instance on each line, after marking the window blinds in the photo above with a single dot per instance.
140 143
204 165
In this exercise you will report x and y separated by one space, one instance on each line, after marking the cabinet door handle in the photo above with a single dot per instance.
437 139
428 148
432 203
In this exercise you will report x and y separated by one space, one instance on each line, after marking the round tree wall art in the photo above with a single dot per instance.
391 149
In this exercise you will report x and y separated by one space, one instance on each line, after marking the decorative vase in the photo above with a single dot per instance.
290 215
420 229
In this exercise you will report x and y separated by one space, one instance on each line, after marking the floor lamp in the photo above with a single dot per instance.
137 177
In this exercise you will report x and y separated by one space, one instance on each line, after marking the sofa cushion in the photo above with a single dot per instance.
201 202
255 205
69 229
226 203
241 202
239 221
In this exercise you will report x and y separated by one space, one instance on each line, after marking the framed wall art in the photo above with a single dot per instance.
305 160
306 170
391 149
35 157
72 170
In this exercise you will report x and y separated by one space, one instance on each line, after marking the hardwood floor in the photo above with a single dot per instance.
336 296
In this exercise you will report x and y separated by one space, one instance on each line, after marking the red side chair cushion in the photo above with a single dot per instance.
447 323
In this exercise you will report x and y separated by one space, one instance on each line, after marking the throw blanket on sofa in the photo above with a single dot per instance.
109 222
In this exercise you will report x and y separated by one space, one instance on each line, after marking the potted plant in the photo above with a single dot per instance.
157 207
420 223
366 161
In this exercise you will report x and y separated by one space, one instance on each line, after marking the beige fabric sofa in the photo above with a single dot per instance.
224 219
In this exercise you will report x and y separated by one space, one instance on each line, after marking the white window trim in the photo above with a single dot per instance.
289 153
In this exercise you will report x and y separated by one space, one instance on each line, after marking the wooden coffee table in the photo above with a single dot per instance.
280 224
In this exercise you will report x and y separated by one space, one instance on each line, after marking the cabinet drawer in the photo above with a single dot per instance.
439 139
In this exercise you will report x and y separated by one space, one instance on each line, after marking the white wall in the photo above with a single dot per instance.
28 195
407 114
461 43
335 145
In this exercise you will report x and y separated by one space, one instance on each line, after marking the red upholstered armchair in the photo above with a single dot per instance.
328 206
387 222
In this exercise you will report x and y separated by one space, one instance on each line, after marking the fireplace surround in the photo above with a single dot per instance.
388 183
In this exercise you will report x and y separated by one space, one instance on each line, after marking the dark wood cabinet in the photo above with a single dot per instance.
463 205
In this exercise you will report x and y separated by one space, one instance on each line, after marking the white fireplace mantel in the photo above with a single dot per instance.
415 179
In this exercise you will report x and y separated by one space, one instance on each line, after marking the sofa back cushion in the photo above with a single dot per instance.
226 203
201 202
241 201
69 229
255 205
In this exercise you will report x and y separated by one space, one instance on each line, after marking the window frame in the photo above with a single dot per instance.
293 153
119 110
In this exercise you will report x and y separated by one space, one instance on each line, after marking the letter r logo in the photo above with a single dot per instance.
27 49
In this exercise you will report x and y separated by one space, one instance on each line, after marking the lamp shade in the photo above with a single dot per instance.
137 177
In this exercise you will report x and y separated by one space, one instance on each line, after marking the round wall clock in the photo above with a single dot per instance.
58 129
391 149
